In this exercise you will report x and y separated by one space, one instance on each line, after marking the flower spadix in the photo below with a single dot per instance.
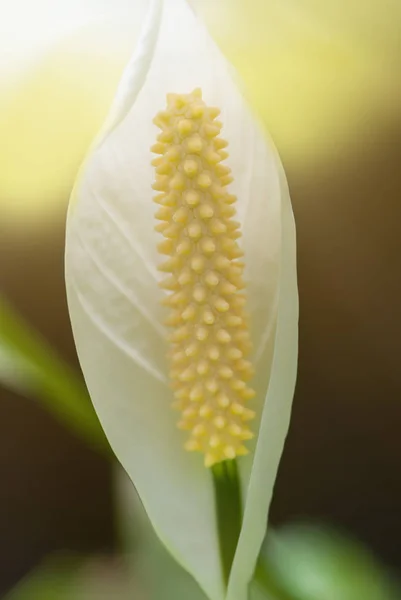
182 291
210 341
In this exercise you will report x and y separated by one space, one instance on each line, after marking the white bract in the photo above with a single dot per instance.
115 300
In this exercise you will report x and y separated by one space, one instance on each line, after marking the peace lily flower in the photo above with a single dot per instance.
181 213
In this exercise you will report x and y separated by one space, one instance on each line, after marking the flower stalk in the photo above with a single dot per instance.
228 500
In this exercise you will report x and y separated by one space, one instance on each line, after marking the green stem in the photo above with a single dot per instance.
229 510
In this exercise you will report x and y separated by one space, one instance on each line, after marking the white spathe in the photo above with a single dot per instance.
114 299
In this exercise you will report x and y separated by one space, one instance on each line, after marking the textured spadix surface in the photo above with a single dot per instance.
115 299
210 341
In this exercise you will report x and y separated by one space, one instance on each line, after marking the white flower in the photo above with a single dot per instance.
115 299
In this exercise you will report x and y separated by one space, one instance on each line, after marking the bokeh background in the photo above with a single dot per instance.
341 463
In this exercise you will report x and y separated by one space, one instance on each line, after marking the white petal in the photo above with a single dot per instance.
114 300
156 572
276 411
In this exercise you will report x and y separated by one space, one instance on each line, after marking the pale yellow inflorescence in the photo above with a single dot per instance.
210 342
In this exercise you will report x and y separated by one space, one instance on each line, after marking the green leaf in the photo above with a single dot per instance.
51 581
28 364
257 592
71 578
310 563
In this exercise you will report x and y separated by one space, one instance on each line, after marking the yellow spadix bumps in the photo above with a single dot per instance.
210 341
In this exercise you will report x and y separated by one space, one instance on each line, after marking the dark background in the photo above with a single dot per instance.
341 463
